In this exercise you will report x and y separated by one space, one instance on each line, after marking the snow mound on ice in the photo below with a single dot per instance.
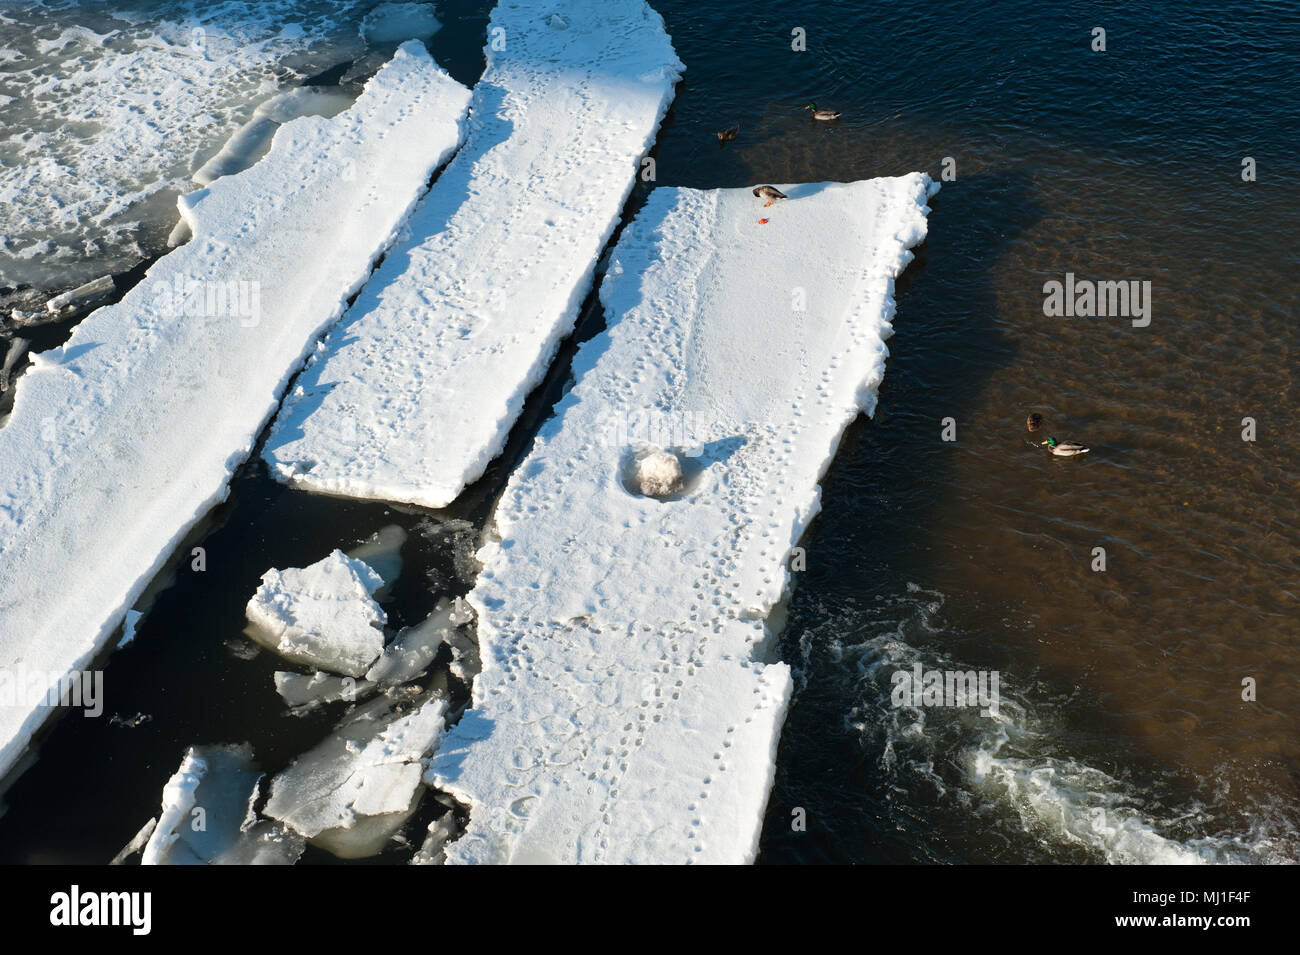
659 474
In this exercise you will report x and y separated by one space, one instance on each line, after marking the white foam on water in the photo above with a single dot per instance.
1011 760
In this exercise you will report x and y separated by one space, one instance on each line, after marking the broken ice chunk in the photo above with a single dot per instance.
461 612
128 627
209 818
245 146
82 299
349 794
465 663
311 690
383 553
305 101
251 141
441 831
205 805
266 843
179 797
323 616
9 368
394 22
415 647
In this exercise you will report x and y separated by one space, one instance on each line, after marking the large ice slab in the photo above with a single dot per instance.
624 712
122 439
416 390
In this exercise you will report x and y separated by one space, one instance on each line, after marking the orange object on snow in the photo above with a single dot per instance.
762 222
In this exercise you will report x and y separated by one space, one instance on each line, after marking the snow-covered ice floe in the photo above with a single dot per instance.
415 392
624 712
122 439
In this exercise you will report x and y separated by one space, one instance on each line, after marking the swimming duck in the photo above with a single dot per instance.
728 134
1034 421
1065 449
770 193
822 114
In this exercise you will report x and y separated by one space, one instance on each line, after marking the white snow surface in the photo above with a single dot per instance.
623 712
322 616
121 440
414 393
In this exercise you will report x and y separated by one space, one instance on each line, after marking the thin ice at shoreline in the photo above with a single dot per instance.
121 440
108 106
623 712
415 391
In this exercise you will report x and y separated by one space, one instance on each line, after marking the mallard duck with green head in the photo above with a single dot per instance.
824 115
1065 449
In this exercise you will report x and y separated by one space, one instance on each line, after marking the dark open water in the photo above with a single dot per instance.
1122 734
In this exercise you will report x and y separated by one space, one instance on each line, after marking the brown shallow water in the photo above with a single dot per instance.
1127 683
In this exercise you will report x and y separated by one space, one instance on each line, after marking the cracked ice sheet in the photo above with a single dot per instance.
415 392
122 439
622 714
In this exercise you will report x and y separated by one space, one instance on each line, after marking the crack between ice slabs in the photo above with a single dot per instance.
415 392
121 440
624 712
